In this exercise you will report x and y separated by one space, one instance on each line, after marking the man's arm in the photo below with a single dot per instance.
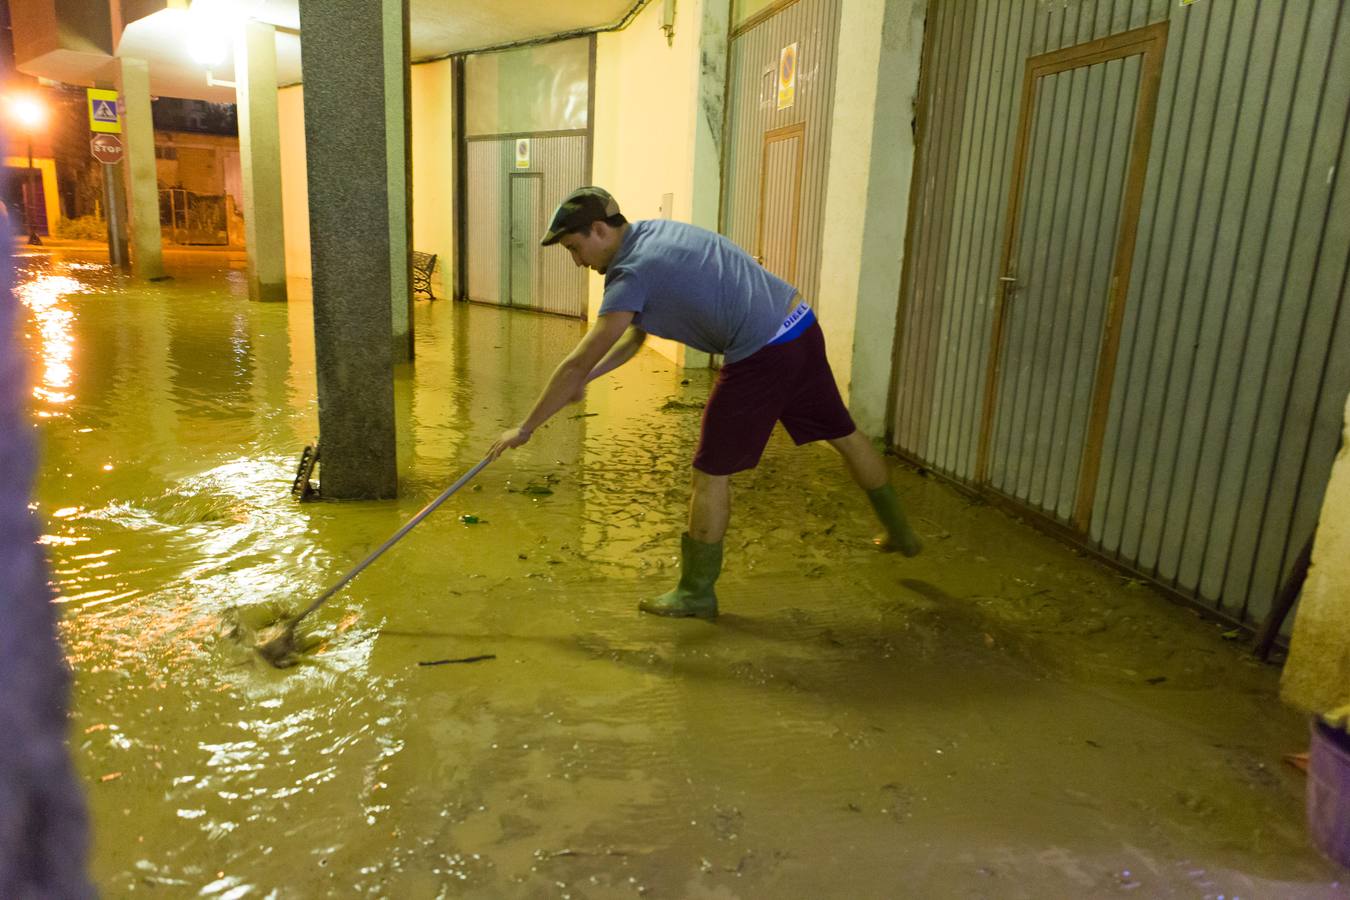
621 353
569 378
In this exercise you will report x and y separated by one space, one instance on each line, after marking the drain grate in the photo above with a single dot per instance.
303 488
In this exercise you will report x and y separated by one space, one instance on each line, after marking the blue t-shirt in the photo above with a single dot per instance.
691 285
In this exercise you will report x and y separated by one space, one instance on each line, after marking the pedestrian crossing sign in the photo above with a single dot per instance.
103 116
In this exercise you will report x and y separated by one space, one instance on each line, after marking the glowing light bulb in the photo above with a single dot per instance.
208 48
212 23
27 111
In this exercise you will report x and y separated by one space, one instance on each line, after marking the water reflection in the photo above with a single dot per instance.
45 297
211 359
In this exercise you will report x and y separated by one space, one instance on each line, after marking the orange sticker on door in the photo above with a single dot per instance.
787 76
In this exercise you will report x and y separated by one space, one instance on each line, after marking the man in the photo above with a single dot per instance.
681 282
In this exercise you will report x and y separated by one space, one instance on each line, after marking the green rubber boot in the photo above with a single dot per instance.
699 567
899 536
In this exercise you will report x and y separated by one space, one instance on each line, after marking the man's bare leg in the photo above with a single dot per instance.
864 462
869 471
700 551
709 507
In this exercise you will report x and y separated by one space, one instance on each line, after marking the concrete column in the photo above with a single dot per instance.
255 74
138 134
354 60
867 197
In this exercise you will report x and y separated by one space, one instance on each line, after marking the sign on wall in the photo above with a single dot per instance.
522 153
103 109
787 76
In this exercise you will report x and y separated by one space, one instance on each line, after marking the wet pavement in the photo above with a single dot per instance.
999 717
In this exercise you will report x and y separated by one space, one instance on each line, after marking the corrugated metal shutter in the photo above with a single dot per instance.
1234 355
560 162
753 114
484 212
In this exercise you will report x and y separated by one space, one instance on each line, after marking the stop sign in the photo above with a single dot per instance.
107 148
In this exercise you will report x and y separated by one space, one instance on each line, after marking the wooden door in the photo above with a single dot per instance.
780 197
1078 176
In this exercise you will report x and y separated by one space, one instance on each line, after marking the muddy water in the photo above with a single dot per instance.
997 718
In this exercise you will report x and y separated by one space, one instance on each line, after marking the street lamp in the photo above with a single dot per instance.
29 114
212 26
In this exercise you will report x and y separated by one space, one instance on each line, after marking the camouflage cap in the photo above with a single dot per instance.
582 207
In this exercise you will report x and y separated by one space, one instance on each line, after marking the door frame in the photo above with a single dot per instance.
787 132
1151 42
511 178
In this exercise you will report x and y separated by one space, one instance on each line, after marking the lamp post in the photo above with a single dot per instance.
33 239
29 113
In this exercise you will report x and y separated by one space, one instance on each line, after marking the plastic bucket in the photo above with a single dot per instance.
1329 791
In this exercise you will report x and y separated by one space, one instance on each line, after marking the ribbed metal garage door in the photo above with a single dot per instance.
1223 413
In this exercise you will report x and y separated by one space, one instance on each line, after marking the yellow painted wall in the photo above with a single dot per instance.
294 188
433 168
433 172
645 98
49 196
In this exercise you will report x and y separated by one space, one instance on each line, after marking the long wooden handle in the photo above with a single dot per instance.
407 527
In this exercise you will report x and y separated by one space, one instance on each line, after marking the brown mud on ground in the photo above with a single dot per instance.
999 717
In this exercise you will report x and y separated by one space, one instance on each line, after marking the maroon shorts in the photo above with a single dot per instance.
789 383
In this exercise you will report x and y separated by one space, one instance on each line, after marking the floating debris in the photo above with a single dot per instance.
540 487
681 404
466 659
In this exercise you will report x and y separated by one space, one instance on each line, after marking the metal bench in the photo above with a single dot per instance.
423 265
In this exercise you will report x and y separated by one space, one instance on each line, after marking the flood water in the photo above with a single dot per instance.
999 717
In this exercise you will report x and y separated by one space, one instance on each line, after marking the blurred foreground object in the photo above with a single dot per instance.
43 827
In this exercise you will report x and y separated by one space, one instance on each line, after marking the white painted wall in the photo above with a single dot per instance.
867 197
